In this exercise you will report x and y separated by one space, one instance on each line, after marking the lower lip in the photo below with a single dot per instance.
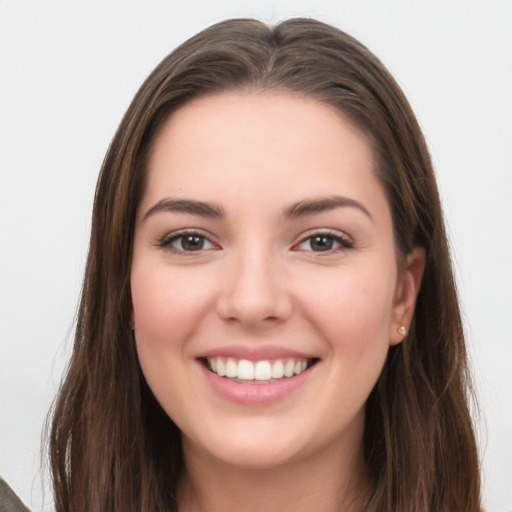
253 393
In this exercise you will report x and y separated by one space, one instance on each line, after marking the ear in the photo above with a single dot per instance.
407 289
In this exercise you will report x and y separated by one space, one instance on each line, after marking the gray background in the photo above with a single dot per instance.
67 73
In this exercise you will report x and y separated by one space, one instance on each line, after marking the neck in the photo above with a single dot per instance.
326 482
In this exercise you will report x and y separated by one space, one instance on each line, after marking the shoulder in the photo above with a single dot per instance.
9 501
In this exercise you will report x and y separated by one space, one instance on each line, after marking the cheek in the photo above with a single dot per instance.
167 309
168 303
354 318
353 311
167 306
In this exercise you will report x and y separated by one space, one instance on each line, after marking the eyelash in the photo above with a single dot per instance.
167 241
344 243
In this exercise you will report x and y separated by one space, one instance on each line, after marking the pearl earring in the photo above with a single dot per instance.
402 330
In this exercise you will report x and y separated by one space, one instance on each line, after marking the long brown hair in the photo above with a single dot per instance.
112 447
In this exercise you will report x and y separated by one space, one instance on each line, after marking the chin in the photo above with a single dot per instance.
249 448
253 457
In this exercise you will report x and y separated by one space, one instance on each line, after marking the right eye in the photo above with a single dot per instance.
187 242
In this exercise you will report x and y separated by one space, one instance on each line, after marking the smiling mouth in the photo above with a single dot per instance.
257 372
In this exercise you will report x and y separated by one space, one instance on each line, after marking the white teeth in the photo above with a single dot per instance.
277 370
221 371
244 369
262 371
288 368
231 368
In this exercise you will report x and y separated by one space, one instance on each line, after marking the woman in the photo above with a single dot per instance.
269 318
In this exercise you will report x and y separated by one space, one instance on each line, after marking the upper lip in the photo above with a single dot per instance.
257 353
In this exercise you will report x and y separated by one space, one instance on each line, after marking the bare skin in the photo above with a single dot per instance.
324 485
264 237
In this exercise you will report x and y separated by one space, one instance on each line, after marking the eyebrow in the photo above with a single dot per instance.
323 204
186 206
296 210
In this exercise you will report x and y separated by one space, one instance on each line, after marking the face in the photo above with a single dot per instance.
264 281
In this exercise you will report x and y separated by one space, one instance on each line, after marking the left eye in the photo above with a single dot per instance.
323 243
187 242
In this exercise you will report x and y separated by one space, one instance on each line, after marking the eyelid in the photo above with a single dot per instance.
345 241
340 237
166 241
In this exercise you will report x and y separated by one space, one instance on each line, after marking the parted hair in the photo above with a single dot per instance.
111 446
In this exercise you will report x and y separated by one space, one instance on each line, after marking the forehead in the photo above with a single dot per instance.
284 115
274 144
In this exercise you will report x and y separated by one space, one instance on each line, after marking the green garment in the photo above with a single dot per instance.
9 502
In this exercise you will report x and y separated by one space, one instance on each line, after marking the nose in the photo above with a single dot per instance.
254 291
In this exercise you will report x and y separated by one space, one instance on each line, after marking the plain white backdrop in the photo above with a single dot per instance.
67 73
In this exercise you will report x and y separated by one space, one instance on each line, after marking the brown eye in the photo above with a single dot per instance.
186 242
191 242
321 243
325 242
